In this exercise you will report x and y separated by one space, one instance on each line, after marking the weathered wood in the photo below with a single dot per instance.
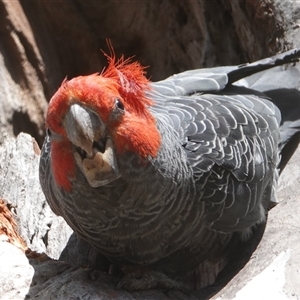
19 188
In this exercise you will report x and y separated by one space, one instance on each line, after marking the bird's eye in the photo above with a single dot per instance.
119 104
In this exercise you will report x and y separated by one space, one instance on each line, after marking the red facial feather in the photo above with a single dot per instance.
138 135
136 130
63 163
132 82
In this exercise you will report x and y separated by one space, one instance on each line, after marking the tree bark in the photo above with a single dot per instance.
42 43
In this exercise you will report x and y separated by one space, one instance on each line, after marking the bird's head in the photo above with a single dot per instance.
96 119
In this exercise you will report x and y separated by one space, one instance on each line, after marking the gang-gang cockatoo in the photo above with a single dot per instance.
162 177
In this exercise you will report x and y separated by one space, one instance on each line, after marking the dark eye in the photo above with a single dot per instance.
119 104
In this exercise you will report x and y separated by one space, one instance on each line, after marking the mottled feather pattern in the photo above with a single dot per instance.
213 176
134 208
227 142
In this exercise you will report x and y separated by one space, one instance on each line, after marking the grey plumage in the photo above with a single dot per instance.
222 131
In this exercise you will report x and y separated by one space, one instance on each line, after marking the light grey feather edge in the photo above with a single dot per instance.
184 112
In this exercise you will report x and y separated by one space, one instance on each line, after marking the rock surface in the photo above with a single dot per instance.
40 44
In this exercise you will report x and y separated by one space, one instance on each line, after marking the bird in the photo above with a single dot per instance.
164 177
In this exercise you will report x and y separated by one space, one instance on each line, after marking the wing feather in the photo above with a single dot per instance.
230 142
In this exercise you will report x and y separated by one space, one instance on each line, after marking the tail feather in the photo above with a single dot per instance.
280 81
288 102
246 70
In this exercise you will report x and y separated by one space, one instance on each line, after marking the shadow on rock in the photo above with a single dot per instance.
82 273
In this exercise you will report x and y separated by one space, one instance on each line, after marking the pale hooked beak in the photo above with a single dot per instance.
94 152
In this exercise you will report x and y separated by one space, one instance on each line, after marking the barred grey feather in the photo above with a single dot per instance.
222 131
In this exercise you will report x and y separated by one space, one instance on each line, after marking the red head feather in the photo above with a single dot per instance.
136 131
132 81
